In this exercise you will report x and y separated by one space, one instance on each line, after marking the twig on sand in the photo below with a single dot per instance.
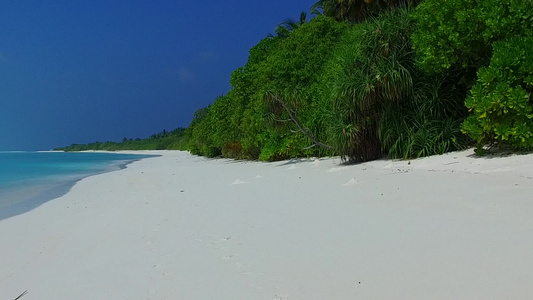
25 292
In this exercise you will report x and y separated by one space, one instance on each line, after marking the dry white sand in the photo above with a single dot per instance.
185 227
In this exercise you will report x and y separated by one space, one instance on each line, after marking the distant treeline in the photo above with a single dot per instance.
165 140
366 79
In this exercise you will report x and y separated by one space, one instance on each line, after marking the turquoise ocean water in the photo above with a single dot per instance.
28 179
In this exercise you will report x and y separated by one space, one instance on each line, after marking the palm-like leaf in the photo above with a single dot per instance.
317 8
377 105
359 10
288 25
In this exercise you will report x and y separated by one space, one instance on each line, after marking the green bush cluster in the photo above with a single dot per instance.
165 140
248 122
460 33
380 102
354 88
375 78
500 102
489 42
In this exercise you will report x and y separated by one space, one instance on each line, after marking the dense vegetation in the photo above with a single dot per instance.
368 78
173 140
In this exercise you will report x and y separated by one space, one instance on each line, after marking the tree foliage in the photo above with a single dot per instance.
485 39
460 33
246 123
174 140
352 90
384 104
368 78
500 102
356 11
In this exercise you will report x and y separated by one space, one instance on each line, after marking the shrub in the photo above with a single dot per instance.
370 68
428 123
459 33
380 102
232 150
500 102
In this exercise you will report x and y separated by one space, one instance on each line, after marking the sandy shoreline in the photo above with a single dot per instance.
24 197
183 227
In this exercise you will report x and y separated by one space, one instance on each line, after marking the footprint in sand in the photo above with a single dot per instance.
350 182
336 169
292 167
238 181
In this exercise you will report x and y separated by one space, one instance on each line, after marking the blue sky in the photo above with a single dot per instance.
80 71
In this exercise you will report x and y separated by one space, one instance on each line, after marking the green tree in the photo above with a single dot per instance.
201 130
357 11
381 103
458 34
287 26
500 102
468 36
288 75
246 84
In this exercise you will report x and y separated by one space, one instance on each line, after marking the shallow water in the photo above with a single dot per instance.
28 179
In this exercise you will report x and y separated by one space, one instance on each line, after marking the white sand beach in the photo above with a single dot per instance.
184 227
